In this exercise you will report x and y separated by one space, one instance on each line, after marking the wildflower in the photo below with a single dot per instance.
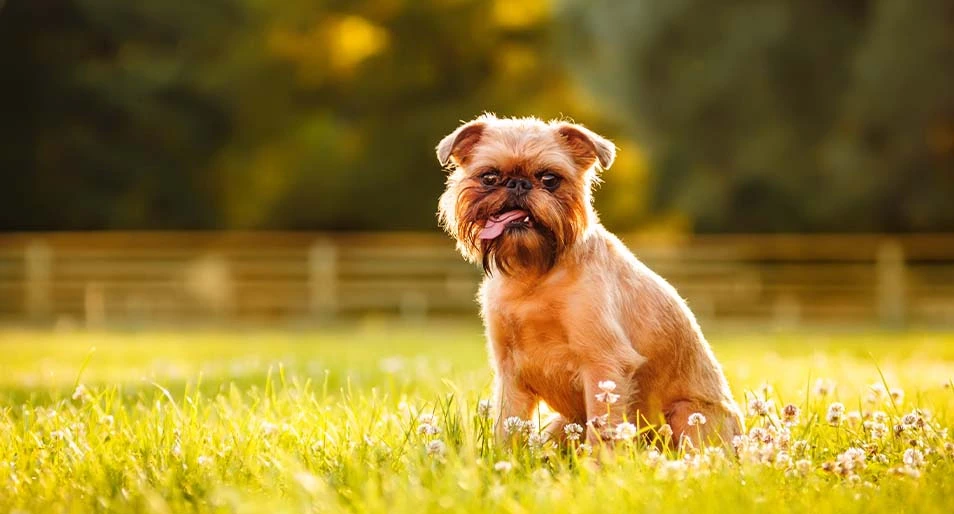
654 458
503 466
696 419
875 429
625 431
585 449
665 431
824 387
483 408
597 422
536 440
790 414
877 393
897 395
106 420
607 397
80 393
427 418
879 416
672 469
906 471
436 448
759 407
573 431
607 386
835 412
428 429
913 458
513 425
803 466
853 418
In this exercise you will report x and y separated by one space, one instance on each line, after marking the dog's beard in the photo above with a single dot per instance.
522 248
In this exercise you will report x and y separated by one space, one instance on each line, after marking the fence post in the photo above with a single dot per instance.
38 280
323 279
891 284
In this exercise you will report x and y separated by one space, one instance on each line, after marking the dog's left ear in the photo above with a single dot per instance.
586 146
459 144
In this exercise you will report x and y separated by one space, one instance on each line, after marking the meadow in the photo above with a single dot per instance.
392 419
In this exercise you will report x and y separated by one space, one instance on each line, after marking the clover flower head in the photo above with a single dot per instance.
696 419
790 414
503 466
607 386
625 431
607 397
835 413
913 458
760 407
573 431
436 448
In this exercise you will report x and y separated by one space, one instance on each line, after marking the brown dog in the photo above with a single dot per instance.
565 304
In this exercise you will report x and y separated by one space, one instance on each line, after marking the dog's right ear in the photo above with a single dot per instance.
459 145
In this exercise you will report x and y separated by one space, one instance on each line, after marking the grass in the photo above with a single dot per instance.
330 422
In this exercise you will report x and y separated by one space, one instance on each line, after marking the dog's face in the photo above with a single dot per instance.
519 190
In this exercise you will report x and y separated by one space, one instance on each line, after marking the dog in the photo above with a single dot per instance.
572 318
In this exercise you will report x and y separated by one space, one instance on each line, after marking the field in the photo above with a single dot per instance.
384 419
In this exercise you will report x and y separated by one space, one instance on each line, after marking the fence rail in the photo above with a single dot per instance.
143 277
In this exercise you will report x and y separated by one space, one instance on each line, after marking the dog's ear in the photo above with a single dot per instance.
587 146
459 144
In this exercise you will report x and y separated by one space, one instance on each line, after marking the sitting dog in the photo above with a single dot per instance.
572 317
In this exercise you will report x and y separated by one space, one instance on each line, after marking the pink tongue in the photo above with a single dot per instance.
496 225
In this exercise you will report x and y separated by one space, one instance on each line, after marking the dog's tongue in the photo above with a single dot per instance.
496 224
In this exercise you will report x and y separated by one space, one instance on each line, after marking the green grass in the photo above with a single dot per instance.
329 422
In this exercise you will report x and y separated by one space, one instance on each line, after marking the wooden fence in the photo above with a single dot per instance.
314 278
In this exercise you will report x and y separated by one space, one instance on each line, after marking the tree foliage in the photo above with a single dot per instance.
783 115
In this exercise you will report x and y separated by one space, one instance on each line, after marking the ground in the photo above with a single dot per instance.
385 419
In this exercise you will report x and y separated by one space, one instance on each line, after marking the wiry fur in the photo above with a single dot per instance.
565 303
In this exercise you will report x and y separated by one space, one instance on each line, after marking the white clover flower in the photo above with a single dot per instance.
483 408
436 448
427 418
696 419
665 431
607 386
877 393
853 418
790 414
513 425
428 429
607 397
909 420
835 413
503 466
824 387
760 407
913 458
897 395
803 466
875 429
625 431
783 460
107 420
80 393
879 416
536 440
573 431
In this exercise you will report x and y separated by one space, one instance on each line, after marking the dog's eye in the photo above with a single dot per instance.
490 178
550 180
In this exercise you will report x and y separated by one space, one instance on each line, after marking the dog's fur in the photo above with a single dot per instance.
565 303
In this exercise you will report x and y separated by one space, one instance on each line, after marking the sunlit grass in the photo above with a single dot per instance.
328 422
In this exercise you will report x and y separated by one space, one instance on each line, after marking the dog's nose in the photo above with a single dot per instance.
519 185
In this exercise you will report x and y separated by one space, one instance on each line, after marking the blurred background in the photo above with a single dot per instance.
250 161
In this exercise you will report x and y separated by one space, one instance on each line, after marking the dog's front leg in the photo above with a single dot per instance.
512 399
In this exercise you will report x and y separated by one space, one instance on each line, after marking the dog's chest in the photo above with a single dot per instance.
534 342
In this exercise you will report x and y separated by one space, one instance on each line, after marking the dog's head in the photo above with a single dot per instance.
519 190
